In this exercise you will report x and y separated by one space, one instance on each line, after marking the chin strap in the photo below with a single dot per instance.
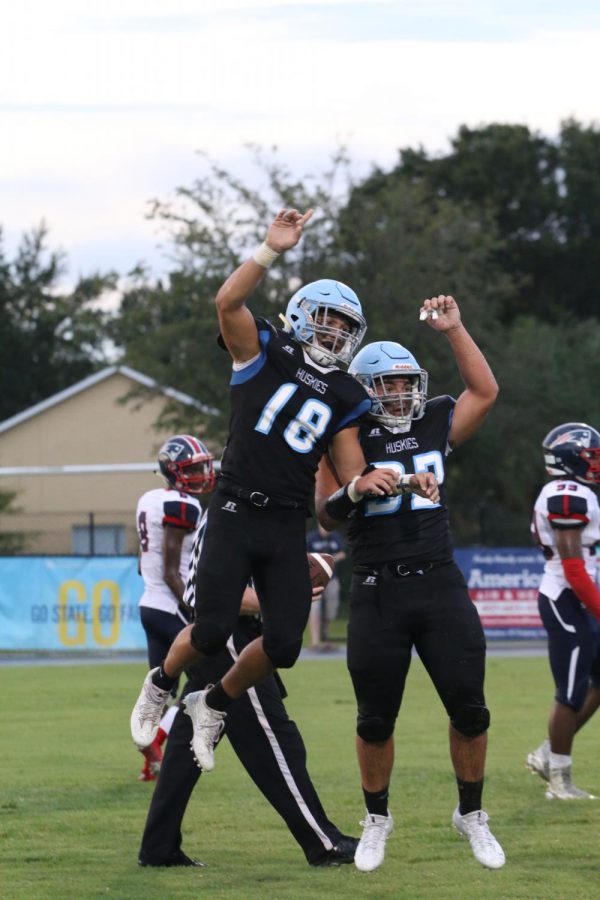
581 583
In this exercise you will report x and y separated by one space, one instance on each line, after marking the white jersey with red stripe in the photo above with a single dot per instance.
155 510
565 504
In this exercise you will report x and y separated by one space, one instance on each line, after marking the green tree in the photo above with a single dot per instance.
547 376
579 169
491 223
10 541
50 337
543 196
168 329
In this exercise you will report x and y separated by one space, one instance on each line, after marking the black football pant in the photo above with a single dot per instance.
268 545
389 615
267 743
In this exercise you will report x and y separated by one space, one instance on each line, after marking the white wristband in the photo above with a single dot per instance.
403 485
264 255
353 494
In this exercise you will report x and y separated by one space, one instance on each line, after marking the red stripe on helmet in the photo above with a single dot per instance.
197 447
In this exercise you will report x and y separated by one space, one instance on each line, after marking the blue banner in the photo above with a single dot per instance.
91 603
70 603
503 584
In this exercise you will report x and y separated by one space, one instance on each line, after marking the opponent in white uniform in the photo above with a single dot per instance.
566 525
166 520
157 510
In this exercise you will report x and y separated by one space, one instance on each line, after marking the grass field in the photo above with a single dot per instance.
72 811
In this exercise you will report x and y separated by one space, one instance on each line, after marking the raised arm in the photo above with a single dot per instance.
481 388
235 319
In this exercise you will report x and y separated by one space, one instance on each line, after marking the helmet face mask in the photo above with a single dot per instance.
187 465
379 367
326 317
397 408
573 449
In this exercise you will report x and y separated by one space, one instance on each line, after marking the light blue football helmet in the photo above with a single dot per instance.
307 317
386 359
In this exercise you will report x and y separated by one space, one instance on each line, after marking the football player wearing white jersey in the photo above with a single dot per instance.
166 519
566 525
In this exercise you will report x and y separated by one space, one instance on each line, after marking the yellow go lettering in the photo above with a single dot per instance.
77 588
98 613
73 619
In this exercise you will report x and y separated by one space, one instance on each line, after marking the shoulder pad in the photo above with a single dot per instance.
567 511
181 513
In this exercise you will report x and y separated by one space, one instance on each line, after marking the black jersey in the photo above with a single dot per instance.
405 529
285 409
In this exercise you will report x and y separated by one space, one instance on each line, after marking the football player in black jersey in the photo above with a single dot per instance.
406 589
290 402
269 746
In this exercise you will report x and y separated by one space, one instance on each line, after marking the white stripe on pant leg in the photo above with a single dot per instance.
570 628
572 670
281 760
182 618
189 594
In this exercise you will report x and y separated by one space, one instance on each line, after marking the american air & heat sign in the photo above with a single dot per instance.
503 585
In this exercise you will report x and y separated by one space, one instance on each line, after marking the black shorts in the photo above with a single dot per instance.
573 647
241 542
389 615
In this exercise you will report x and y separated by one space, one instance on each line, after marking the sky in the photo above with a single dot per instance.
105 105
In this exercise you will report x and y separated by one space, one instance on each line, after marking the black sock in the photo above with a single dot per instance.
377 801
218 699
161 680
469 796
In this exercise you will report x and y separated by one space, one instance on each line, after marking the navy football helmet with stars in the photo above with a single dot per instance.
187 464
573 449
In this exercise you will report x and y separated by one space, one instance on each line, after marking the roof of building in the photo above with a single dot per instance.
96 378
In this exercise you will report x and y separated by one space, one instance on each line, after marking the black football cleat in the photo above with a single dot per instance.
178 859
342 853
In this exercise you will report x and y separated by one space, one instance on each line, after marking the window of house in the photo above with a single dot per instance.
105 540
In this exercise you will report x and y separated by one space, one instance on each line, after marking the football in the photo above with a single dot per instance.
320 566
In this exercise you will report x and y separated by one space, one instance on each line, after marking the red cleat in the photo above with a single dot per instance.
153 759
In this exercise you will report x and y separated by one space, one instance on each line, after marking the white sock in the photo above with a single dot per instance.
167 719
559 760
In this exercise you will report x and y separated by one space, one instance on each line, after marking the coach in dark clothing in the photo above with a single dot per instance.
269 746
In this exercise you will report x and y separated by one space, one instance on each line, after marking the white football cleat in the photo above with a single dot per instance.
147 712
208 724
561 787
538 761
484 845
371 846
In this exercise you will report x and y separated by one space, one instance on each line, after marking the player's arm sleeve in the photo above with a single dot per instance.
181 514
569 547
581 584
